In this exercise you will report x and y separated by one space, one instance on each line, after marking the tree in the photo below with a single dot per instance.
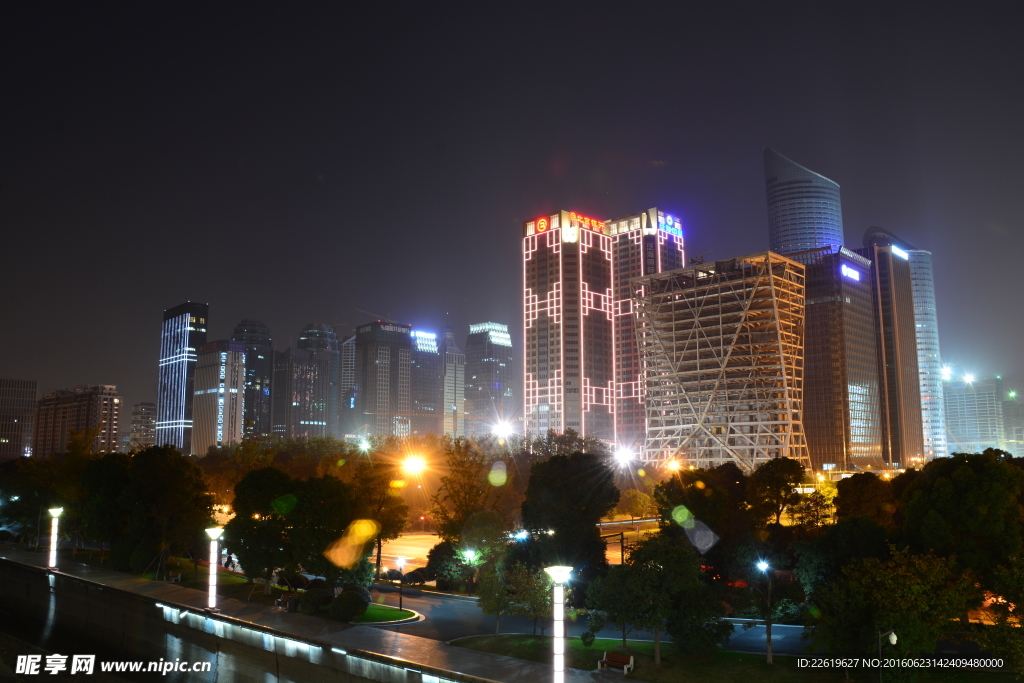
327 539
635 503
967 506
166 495
916 595
378 500
772 487
820 563
813 511
494 594
463 491
865 495
103 518
258 533
26 492
1002 634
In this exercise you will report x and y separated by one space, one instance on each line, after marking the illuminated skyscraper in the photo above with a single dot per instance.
804 211
383 377
974 413
17 410
425 395
183 331
582 371
453 385
259 373
142 430
347 388
58 413
220 394
305 395
488 378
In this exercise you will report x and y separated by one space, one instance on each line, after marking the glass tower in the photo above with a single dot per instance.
220 395
259 373
804 211
425 384
488 378
453 385
305 392
383 366
17 410
183 332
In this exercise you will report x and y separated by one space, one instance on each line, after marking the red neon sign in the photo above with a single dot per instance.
585 222
542 225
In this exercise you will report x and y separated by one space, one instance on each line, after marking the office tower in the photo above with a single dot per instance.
488 378
642 243
893 298
183 331
383 368
424 384
87 407
974 413
305 395
142 429
1013 425
221 385
804 211
17 410
929 360
347 388
569 381
453 385
842 413
259 373
721 346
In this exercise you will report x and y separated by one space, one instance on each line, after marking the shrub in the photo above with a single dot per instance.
121 554
416 577
311 601
361 590
348 605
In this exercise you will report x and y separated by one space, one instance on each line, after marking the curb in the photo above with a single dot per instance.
416 616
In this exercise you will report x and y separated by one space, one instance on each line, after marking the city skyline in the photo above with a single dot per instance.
143 163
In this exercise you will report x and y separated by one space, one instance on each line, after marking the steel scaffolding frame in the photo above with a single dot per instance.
722 351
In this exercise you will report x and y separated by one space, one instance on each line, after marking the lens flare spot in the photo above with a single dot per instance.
642 473
498 474
341 462
682 516
348 549
397 483
284 504
699 484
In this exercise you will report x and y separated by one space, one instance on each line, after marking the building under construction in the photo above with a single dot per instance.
722 352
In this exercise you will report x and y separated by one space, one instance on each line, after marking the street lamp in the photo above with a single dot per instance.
623 455
763 566
55 512
892 641
214 534
414 465
502 430
400 563
559 575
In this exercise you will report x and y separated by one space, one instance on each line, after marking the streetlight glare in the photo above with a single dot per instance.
763 566
674 465
414 465
502 430
969 378
623 455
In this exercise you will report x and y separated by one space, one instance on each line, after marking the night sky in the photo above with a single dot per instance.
291 165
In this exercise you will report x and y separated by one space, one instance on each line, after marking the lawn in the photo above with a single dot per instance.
728 667
377 612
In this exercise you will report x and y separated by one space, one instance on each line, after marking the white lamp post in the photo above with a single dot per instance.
214 534
559 575
55 512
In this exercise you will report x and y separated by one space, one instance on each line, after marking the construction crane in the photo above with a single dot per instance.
378 317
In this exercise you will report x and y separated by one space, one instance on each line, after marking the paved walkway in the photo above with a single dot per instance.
390 643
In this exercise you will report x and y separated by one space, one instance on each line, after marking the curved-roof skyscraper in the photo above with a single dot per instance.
804 211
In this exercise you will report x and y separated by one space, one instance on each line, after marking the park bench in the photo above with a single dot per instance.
174 577
616 659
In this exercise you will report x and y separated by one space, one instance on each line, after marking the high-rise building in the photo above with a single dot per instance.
642 243
721 347
17 410
425 394
893 299
974 413
568 312
259 374
453 385
220 395
183 331
842 414
305 395
383 367
488 378
929 360
142 429
87 407
347 387
804 210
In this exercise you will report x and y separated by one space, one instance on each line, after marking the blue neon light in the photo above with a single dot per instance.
850 272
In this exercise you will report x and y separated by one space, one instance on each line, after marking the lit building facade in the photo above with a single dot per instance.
425 396
804 209
974 413
306 377
900 384
142 428
842 410
259 375
721 348
58 413
221 384
489 398
17 410
182 333
383 366
347 388
642 243
453 385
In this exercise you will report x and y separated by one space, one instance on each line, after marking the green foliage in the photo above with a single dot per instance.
144 553
813 511
323 511
349 605
378 500
26 492
103 518
258 534
464 491
917 595
121 554
1002 633
445 565
635 503
821 562
772 487
485 532
967 506
313 600
865 495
